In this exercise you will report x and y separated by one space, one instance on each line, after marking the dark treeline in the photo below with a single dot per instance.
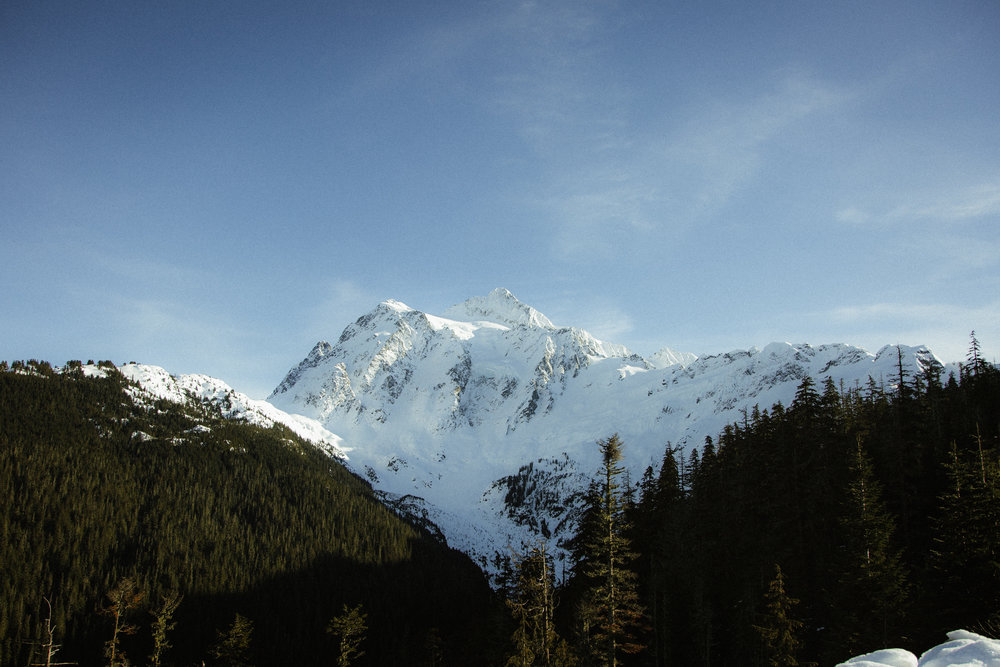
230 518
853 519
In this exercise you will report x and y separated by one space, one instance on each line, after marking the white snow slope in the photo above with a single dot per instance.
964 649
154 382
486 418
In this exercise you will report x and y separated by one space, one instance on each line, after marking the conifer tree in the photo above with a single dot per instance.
872 585
807 400
523 654
975 355
778 629
350 628
233 646
532 603
613 612
434 648
966 556
659 536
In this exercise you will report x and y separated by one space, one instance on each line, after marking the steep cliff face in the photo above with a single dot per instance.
486 418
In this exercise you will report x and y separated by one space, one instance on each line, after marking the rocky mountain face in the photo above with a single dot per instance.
484 420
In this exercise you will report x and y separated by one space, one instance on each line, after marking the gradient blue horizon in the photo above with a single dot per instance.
213 187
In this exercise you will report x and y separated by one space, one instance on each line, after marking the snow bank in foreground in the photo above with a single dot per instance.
966 649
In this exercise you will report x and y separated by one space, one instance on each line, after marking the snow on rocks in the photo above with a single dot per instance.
964 649
889 657
155 382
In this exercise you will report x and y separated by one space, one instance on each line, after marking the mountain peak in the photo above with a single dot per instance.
499 306
456 413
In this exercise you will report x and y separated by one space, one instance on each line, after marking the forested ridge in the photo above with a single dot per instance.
98 489
854 518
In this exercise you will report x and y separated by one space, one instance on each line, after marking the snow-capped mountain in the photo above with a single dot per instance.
484 419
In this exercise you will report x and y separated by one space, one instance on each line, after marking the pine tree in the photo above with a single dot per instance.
966 556
975 355
659 537
532 603
778 629
873 581
612 609
233 646
350 628
434 648
807 401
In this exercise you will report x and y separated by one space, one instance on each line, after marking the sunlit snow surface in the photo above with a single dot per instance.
449 411
964 649
156 382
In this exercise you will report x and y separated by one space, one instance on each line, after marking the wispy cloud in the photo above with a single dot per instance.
655 181
722 147
886 311
189 337
611 170
610 324
557 88
954 205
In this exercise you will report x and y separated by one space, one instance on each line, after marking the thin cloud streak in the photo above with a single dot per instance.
723 146
954 206
628 182
880 312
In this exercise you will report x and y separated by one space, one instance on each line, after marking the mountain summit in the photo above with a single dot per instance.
484 419
499 306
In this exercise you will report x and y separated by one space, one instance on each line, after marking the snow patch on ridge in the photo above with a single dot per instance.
666 357
157 383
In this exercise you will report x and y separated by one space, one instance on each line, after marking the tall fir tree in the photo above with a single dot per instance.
533 604
872 585
966 554
612 607
976 363
778 629
232 648
659 538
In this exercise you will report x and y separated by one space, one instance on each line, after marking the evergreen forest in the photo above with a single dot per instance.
852 519
114 511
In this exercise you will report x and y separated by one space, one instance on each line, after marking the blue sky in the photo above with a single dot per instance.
214 186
